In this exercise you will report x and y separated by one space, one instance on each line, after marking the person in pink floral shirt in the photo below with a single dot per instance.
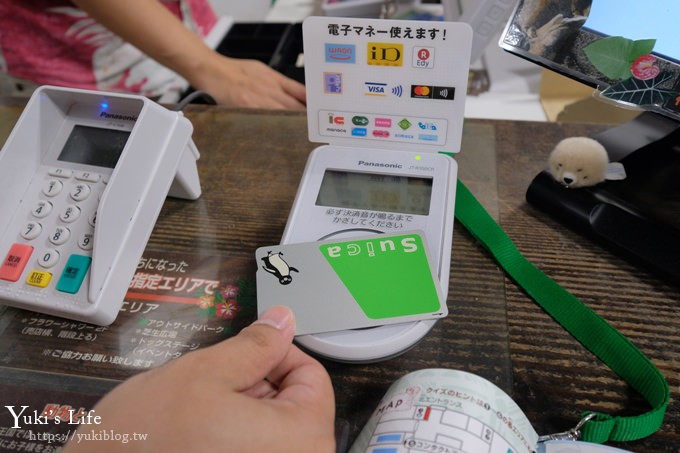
150 47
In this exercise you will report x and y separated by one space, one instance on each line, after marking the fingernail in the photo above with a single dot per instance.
280 317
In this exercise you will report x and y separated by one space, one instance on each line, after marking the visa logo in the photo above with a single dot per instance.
340 53
375 89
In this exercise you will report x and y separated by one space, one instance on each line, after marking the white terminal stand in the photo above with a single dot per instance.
76 158
388 96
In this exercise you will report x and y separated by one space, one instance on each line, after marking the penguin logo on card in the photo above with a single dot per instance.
277 266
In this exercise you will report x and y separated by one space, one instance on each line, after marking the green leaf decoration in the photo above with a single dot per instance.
614 56
641 47
641 92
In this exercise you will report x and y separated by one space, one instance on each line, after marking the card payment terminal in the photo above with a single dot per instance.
388 95
76 159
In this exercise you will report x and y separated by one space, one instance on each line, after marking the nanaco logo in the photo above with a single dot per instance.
115 116
363 163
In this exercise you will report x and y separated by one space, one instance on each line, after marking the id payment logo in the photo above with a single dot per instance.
340 53
385 54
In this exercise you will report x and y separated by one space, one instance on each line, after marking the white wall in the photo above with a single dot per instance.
242 11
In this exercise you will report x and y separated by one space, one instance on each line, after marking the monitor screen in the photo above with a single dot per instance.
625 48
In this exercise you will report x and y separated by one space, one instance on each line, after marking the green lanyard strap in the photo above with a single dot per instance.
596 334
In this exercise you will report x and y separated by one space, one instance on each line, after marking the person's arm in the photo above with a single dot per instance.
253 392
153 29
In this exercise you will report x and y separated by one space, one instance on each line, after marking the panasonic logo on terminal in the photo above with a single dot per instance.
115 116
363 163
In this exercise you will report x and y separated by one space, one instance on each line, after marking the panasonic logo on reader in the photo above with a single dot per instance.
363 163
115 116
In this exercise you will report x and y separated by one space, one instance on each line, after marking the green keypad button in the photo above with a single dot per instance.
74 273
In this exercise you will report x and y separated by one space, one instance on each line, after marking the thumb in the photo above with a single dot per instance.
248 357
280 318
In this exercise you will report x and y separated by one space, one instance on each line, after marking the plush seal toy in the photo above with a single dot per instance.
582 162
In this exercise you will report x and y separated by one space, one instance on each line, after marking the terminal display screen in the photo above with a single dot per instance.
375 192
96 146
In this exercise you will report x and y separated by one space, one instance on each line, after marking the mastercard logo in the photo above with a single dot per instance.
422 90
432 92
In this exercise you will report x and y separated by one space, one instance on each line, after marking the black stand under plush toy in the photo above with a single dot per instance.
637 216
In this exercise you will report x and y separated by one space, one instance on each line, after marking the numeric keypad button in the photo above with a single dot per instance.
31 230
42 209
69 214
60 235
80 192
48 258
85 241
52 187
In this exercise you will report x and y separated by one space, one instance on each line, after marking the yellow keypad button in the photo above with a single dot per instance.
39 278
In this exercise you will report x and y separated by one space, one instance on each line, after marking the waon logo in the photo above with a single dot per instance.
385 54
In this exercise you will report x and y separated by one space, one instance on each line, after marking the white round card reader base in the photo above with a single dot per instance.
366 345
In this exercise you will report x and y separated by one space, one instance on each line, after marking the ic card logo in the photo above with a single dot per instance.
385 54
383 122
427 126
333 119
340 53
404 124
360 120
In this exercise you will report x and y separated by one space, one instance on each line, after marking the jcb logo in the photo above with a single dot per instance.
385 54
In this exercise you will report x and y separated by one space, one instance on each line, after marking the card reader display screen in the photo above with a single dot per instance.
375 192
94 146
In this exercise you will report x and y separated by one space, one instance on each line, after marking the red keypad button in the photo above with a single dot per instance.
15 262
